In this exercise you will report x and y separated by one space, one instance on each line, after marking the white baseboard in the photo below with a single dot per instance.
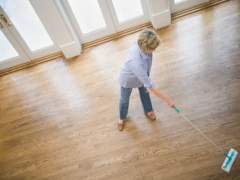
161 19
71 49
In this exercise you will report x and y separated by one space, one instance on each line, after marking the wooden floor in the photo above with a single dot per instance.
58 119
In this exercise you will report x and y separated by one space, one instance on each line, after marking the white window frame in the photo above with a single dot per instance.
86 37
21 58
131 22
111 20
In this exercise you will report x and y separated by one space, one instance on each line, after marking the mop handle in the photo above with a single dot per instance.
199 130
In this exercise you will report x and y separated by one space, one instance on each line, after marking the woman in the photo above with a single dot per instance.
135 74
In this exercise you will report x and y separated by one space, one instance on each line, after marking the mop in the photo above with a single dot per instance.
230 157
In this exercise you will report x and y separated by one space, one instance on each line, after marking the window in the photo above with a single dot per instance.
88 15
127 10
7 50
27 23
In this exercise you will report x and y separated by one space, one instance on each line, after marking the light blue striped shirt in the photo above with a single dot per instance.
136 70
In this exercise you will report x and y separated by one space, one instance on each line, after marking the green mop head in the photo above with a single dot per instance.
229 160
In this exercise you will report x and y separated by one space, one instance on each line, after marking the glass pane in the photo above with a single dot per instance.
179 1
27 23
6 49
127 9
88 14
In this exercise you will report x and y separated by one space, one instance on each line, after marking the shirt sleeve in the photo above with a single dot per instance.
141 74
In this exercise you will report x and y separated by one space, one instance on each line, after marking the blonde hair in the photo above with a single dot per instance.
148 40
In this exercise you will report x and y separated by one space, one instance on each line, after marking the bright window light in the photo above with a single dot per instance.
127 9
27 23
6 49
88 15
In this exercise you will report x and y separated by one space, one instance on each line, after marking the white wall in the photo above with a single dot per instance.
58 28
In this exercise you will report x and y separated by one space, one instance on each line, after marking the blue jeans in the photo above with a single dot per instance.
124 101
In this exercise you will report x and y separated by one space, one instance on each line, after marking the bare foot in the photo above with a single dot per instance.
120 125
151 115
